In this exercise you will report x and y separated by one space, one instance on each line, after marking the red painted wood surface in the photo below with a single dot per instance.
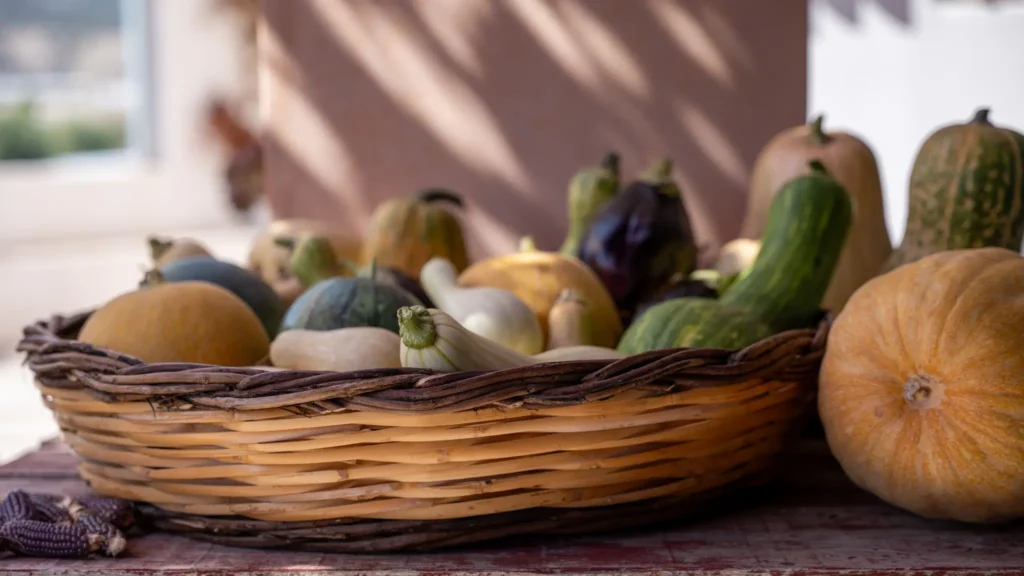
816 522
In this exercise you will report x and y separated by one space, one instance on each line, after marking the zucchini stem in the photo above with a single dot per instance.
416 327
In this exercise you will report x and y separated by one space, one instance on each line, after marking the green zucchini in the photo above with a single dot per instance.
807 226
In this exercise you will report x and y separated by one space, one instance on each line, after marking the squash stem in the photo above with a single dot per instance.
981 116
435 194
416 327
526 244
152 277
610 162
818 167
818 135
158 247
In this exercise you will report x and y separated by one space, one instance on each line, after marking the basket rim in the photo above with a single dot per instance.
60 361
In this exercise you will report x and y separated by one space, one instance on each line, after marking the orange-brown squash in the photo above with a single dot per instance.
180 322
405 233
922 386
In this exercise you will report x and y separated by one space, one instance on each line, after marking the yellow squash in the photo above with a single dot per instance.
538 278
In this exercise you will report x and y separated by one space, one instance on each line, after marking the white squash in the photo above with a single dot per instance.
433 340
341 350
494 313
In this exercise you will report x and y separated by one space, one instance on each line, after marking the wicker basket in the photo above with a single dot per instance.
404 459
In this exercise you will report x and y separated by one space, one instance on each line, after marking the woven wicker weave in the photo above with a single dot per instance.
403 459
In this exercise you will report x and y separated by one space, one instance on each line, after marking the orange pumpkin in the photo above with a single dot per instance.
922 386
406 232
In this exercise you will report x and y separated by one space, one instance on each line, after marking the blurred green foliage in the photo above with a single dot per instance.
24 136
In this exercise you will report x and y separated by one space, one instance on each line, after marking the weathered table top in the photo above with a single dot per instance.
816 522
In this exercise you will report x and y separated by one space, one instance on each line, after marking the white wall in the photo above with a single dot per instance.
894 70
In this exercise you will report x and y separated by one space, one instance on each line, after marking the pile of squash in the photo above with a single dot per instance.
920 392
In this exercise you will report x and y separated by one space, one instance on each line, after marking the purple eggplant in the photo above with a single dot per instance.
641 239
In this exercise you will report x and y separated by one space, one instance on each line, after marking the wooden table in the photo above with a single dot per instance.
815 522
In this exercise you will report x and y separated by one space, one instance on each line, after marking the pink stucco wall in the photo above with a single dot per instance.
502 100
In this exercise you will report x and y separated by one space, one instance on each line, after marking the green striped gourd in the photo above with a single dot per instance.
589 190
807 225
966 191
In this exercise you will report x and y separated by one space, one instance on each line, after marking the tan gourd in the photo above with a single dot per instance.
341 350
851 162
570 321
272 261
922 386
163 251
180 322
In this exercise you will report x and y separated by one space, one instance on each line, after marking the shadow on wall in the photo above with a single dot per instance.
899 10
504 101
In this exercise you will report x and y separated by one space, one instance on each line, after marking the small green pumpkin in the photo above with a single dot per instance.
405 233
344 302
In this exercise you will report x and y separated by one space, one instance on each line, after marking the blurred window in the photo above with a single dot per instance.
73 78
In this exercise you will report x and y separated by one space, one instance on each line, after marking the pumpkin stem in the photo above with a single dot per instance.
818 168
416 327
287 243
981 116
152 277
440 194
818 135
158 247
659 175
923 391
526 244
610 162
659 172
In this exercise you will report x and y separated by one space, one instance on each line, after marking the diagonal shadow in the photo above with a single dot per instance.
706 82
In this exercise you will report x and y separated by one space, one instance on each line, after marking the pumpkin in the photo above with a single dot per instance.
852 163
344 302
271 260
405 233
241 282
538 279
921 394
966 191
191 321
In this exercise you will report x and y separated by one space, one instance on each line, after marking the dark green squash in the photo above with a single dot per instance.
343 302
808 222
966 191
243 283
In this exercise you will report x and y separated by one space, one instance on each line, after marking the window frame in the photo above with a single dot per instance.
171 175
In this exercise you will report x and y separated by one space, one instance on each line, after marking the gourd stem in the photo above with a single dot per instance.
818 135
416 327
660 171
287 243
158 247
610 162
526 244
818 167
440 194
981 116
153 277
